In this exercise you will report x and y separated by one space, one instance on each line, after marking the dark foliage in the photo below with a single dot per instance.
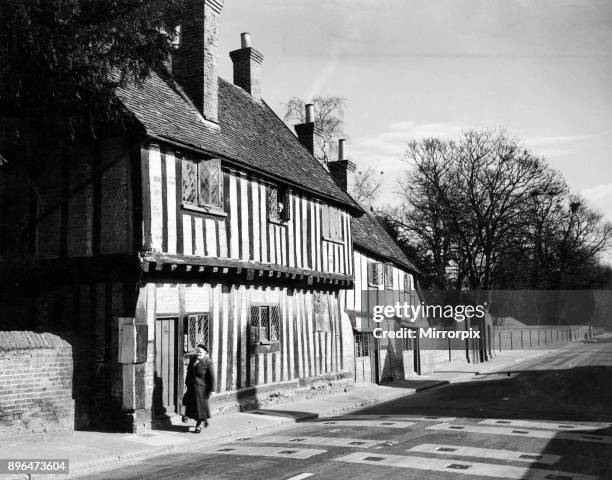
60 60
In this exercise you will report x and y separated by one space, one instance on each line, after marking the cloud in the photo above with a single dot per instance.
600 197
555 145
383 151
562 144
393 141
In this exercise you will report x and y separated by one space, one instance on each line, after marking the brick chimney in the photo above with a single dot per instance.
247 66
343 170
195 61
311 136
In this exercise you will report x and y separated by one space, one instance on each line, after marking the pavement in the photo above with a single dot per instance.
91 452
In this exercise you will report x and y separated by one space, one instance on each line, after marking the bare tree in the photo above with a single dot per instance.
581 234
365 186
328 112
482 202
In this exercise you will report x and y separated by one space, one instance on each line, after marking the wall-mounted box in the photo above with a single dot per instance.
133 341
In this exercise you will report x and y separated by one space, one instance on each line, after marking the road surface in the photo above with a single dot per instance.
551 419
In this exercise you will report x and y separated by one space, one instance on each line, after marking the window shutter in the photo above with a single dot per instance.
286 199
340 226
336 221
220 196
325 221
321 312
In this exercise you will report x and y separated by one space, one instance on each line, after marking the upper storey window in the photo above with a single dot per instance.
408 282
202 183
279 205
389 284
331 219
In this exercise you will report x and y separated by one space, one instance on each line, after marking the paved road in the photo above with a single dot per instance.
551 419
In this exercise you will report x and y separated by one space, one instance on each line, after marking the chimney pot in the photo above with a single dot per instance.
343 170
247 66
309 113
245 40
342 149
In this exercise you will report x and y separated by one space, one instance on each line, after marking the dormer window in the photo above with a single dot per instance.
279 204
202 183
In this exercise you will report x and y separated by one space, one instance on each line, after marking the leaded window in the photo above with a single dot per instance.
190 182
376 274
202 182
197 331
362 345
264 324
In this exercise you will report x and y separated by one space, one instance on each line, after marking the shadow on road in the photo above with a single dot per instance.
417 385
581 394
285 413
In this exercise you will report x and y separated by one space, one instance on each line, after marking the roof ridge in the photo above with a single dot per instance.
395 249
250 134
327 172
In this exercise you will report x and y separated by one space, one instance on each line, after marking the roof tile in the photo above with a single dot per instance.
250 133
369 234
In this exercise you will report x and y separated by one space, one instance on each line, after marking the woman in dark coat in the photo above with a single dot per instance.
199 382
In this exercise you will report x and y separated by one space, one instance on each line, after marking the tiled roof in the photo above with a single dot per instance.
370 235
251 134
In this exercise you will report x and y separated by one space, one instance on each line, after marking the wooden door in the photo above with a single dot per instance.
365 368
165 393
384 359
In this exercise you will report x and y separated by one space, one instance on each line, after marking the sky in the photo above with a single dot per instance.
540 69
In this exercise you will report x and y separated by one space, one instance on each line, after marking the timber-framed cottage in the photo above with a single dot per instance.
208 222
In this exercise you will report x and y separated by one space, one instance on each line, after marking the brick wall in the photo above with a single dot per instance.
35 382
85 199
115 206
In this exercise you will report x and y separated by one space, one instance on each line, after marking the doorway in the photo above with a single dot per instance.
365 367
164 390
